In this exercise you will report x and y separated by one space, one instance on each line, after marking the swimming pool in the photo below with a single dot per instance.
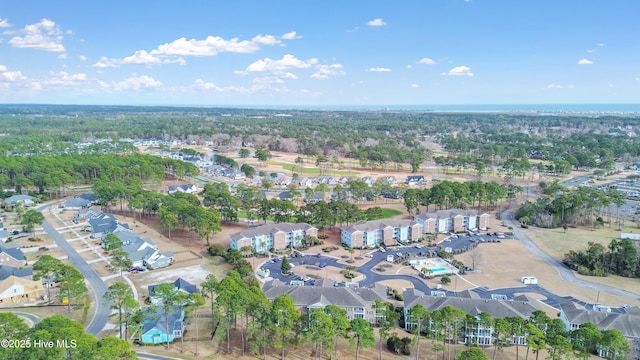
439 269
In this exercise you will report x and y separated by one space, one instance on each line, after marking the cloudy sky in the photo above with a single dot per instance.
322 53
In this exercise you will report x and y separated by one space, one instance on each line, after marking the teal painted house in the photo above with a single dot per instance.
154 329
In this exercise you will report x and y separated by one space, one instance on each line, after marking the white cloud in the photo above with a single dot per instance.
63 78
3 68
554 86
173 52
105 62
83 58
378 69
280 66
13 76
266 40
45 35
325 71
415 86
206 85
585 62
376 22
291 36
354 29
62 56
136 82
427 61
600 44
460 71
141 57
4 23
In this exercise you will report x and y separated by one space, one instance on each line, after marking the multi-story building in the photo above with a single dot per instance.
628 324
358 302
452 220
273 236
475 332
376 232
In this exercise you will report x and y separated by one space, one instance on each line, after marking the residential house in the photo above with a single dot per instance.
452 220
103 224
84 215
89 197
24 200
154 327
4 235
358 302
313 198
475 333
6 271
369 180
415 180
76 203
627 323
215 169
143 251
380 232
185 188
304 182
180 284
389 180
285 195
233 174
273 236
18 290
282 181
343 179
12 257
327 180
158 260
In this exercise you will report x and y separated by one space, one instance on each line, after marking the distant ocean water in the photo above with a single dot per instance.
489 108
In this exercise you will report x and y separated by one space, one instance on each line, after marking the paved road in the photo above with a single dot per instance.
93 279
564 272
32 318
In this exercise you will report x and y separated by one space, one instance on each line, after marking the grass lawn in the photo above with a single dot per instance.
390 213
313 170
556 243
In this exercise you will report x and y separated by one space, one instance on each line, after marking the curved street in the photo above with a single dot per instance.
565 273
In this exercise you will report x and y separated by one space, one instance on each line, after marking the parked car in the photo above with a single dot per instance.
323 265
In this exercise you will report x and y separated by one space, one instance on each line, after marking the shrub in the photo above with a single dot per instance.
217 250
399 346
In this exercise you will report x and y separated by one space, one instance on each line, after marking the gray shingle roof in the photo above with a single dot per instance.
6 271
628 324
523 307
15 253
340 296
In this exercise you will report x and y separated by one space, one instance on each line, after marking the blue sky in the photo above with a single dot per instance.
321 53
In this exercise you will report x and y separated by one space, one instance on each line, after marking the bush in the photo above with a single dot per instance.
399 346
217 250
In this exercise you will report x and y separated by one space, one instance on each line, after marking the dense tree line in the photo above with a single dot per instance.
620 257
560 206
54 175
64 339
451 194
373 139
